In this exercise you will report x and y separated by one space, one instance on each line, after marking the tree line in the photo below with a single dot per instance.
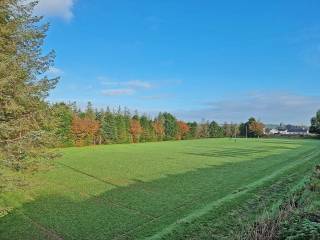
315 124
75 127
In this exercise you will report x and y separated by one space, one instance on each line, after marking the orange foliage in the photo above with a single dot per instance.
84 129
183 130
159 129
135 130
257 128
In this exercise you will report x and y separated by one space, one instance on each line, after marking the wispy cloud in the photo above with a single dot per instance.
141 89
55 8
118 92
123 88
131 83
139 84
269 107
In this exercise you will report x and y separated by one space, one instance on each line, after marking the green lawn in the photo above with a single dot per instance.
155 190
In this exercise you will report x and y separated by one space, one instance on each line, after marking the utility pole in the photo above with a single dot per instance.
246 132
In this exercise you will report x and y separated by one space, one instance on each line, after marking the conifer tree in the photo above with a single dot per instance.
170 125
146 125
193 130
215 131
109 128
63 115
315 123
23 85
90 113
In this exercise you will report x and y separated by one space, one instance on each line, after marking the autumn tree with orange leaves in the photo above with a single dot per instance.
183 130
159 129
135 130
256 128
85 130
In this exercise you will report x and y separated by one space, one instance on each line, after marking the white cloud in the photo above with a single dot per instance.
269 107
55 8
123 88
137 84
131 87
118 92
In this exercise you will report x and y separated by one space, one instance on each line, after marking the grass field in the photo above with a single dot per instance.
199 189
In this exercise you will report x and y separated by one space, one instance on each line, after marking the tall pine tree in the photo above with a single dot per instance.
109 128
23 85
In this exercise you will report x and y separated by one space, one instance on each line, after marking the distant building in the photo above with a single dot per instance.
301 131
283 132
289 130
273 131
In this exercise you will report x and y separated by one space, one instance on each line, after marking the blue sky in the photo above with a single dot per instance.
221 60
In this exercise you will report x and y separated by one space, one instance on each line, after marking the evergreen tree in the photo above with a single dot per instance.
123 126
23 85
147 129
90 112
109 128
315 124
170 125
127 125
63 115
193 130
215 131
243 128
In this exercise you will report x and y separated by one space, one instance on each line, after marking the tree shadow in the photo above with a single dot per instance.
237 152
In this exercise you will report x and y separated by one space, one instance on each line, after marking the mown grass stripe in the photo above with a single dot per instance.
107 201
200 212
163 183
51 234
183 205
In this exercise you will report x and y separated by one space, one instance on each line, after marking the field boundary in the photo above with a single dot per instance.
88 174
200 212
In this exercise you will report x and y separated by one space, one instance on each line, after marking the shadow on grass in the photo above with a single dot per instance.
139 209
236 153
